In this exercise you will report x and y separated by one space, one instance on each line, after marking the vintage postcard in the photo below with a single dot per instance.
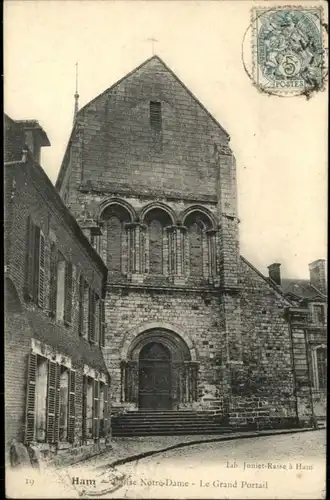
165 240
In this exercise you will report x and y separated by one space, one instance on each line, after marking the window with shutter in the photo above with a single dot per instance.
51 402
68 284
102 323
96 409
91 316
53 281
72 406
30 399
41 273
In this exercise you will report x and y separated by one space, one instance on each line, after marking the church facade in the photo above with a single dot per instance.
190 324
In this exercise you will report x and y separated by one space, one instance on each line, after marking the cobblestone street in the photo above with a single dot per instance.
282 466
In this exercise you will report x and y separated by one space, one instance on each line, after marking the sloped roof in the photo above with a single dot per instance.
301 288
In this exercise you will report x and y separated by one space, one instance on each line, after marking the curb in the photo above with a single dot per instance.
246 435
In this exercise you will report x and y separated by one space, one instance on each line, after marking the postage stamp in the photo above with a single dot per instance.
288 52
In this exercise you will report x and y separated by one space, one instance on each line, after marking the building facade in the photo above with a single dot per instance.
189 323
310 295
56 381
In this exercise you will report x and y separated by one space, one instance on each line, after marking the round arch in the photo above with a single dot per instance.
123 204
198 210
172 337
159 206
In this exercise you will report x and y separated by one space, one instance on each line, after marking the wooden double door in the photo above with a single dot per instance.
155 380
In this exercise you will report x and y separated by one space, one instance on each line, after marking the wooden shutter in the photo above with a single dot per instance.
41 271
96 408
30 398
102 323
29 271
51 402
72 406
91 316
53 281
68 292
81 305
57 405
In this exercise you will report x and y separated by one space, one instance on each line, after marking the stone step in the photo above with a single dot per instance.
167 418
170 432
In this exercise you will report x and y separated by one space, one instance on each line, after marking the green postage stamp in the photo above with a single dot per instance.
288 50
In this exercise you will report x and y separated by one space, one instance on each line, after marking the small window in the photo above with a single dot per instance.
156 115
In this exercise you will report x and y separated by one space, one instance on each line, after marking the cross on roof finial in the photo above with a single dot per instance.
153 41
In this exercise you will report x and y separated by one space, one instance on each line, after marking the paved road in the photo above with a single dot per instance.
290 466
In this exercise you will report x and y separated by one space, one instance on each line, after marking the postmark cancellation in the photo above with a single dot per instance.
288 49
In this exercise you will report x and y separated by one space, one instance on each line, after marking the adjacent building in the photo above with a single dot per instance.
56 381
311 295
190 324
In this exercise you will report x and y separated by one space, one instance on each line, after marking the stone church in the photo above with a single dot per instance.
191 327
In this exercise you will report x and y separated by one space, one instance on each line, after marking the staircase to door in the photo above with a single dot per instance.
168 423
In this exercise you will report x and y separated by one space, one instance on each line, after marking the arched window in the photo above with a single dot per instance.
155 247
158 248
199 246
116 244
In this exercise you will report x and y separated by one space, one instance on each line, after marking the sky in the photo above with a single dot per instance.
280 144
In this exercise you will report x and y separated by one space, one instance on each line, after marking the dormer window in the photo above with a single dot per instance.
156 115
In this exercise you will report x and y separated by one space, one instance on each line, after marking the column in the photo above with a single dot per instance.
212 261
178 245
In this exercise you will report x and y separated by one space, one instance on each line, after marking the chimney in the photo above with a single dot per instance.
317 275
275 273
35 137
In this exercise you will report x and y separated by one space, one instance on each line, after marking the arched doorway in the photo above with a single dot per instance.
160 371
155 377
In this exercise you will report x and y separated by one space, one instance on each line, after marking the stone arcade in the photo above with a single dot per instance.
190 324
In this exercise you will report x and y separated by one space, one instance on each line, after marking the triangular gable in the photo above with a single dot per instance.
112 88
145 63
